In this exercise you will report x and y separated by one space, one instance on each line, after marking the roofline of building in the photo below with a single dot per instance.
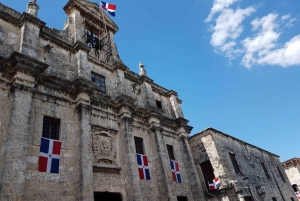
290 160
212 129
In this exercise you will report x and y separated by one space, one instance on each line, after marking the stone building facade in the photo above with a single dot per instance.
292 170
246 172
97 107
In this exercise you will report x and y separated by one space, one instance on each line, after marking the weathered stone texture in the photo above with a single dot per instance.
215 146
292 170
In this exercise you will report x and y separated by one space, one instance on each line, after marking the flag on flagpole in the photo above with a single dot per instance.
175 171
49 155
110 8
214 184
143 167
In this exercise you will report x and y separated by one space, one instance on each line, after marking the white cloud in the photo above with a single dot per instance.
289 24
219 5
263 41
284 17
262 47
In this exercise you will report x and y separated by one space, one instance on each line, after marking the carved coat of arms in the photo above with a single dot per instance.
104 148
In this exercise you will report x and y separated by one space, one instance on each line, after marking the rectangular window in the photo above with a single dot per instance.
139 145
51 128
100 80
295 187
171 152
158 104
248 198
281 175
265 170
182 198
234 163
207 171
292 199
274 199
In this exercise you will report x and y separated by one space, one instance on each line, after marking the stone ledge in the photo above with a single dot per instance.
106 168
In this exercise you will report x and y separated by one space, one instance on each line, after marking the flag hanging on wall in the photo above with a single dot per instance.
175 171
110 8
49 155
142 161
214 184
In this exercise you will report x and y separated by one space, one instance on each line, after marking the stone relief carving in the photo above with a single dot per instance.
104 148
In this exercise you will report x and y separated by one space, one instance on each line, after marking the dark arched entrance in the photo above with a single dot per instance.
106 196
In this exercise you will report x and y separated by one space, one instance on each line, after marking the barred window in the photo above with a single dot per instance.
51 128
170 152
234 163
139 145
100 80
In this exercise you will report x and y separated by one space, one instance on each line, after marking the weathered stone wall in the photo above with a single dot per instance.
9 38
292 170
216 147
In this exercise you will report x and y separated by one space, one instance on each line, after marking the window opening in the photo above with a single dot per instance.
265 170
208 172
51 128
295 187
139 145
100 80
281 175
248 198
274 199
158 104
182 198
234 163
170 152
100 196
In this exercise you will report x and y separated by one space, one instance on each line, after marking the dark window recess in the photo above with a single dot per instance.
171 152
295 187
248 198
182 198
158 104
265 170
234 163
139 145
100 80
274 199
100 196
207 171
292 199
281 175
51 128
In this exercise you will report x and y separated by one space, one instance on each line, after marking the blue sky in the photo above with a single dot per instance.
234 63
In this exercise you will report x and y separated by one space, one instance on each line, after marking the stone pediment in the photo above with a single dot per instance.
92 11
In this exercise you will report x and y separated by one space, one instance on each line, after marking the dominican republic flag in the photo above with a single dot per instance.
214 184
110 8
298 194
49 155
175 171
142 161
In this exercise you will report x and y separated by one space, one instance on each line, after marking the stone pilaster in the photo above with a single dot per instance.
132 187
164 162
86 190
191 169
15 149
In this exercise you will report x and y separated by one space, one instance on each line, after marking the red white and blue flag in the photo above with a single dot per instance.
110 8
214 184
298 194
142 161
49 155
175 171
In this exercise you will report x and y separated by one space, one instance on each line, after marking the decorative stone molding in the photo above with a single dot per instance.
104 148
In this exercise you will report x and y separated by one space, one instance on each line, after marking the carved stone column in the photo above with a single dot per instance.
132 187
86 188
192 173
15 149
164 162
